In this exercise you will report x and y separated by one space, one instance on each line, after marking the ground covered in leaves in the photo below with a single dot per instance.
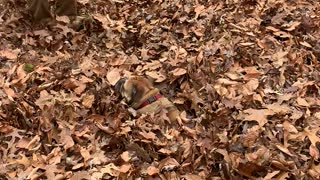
243 73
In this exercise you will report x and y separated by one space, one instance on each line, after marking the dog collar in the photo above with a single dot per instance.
151 100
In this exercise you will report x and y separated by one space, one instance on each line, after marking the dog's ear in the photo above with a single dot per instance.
137 93
118 86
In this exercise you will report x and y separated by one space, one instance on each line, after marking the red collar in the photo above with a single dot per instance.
151 100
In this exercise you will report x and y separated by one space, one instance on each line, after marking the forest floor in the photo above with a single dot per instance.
244 74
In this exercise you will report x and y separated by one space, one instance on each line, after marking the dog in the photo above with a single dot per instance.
140 94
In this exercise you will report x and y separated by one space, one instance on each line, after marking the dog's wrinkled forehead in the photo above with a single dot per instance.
119 85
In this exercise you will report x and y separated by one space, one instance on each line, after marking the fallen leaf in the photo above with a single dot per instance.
148 135
156 75
258 115
270 175
111 169
126 156
314 152
10 54
168 164
64 19
113 76
284 149
250 87
124 168
179 72
151 170
87 101
302 102
305 44
311 133
45 99
66 139
10 93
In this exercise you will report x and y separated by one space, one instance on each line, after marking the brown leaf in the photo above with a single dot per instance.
64 19
10 54
246 44
125 168
270 175
279 58
83 1
10 93
111 169
144 54
81 175
302 102
279 109
311 133
165 151
156 75
66 139
168 164
284 149
117 61
105 20
250 87
85 153
314 152
259 115
45 99
151 170
113 76
198 9
187 149
87 101
305 44
179 72
293 26
23 161
126 156
148 135
192 177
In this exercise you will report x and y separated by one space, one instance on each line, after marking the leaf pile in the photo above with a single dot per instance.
244 74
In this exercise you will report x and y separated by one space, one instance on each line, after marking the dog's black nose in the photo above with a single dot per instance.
118 86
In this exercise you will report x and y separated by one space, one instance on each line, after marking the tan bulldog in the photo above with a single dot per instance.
141 95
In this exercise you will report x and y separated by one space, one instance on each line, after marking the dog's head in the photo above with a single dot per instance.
132 89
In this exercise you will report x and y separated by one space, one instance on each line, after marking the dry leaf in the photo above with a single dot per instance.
10 54
151 170
87 101
302 102
113 76
247 91
148 135
124 168
64 19
179 72
258 115
10 93
126 156
66 139
305 44
311 133
314 152
111 169
156 75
